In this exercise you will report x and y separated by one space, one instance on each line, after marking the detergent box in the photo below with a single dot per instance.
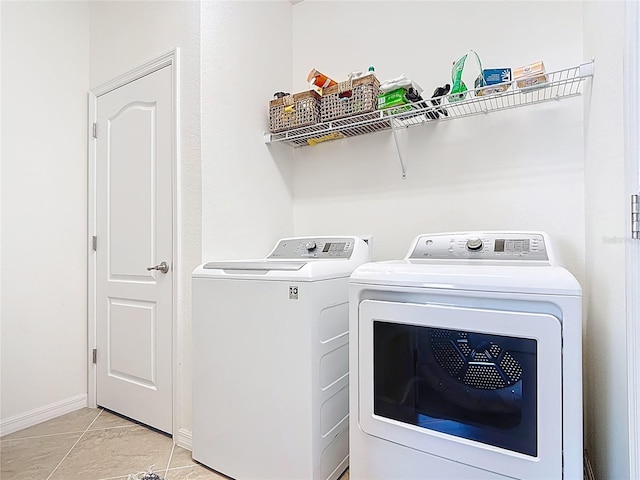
530 75
492 78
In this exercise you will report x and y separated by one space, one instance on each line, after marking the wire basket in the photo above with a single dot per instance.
293 111
350 98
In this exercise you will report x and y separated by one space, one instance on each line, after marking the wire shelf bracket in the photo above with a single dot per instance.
394 129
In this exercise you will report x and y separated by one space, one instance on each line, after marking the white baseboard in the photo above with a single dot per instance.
184 439
42 414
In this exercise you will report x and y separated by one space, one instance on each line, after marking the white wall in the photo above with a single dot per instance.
125 35
45 78
605 339
246 192
247 186
518 169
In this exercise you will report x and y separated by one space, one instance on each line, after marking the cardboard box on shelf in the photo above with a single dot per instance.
392 99
496 75
495 80
530 75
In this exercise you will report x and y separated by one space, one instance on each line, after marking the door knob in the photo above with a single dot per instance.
163 267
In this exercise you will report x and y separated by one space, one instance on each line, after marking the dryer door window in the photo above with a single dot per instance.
479 386
472 385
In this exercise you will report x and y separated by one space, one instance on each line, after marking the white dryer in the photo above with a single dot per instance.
271 361
466 363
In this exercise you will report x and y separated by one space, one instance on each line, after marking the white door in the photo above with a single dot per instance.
134 233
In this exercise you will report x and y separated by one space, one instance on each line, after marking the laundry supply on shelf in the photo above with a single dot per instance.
319 80
325 138
530 75
496 81
458 87
359 74
399 82
436 100
399 91
392 99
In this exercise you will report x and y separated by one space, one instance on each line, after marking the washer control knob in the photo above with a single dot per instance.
474 244
310 246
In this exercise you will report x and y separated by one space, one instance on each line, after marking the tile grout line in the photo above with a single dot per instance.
46 435
184 467
63 433
74 445
166 470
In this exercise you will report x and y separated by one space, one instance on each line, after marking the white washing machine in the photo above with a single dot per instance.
465 362
271 361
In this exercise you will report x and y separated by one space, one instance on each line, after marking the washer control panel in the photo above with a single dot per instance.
482 246
322 248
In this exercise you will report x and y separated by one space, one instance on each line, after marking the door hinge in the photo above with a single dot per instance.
94 243
95 355
635 217
95 130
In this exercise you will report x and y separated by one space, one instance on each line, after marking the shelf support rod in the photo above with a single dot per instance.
395 139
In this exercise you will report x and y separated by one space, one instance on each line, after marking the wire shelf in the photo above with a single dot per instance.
559 85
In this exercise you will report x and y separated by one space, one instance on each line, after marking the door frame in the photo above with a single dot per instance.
171 59
632 247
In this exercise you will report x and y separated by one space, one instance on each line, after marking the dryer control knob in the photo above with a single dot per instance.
310 245
474 244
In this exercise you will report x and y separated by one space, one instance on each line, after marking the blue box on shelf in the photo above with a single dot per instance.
494 76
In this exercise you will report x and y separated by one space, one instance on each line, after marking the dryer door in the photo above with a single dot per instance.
478 386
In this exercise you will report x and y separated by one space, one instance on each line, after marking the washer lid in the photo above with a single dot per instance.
277 270
255 266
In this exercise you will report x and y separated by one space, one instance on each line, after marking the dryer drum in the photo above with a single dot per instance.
471 370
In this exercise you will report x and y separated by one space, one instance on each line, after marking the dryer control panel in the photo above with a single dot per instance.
321 248
516 246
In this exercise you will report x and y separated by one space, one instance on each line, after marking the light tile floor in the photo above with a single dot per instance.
94 444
